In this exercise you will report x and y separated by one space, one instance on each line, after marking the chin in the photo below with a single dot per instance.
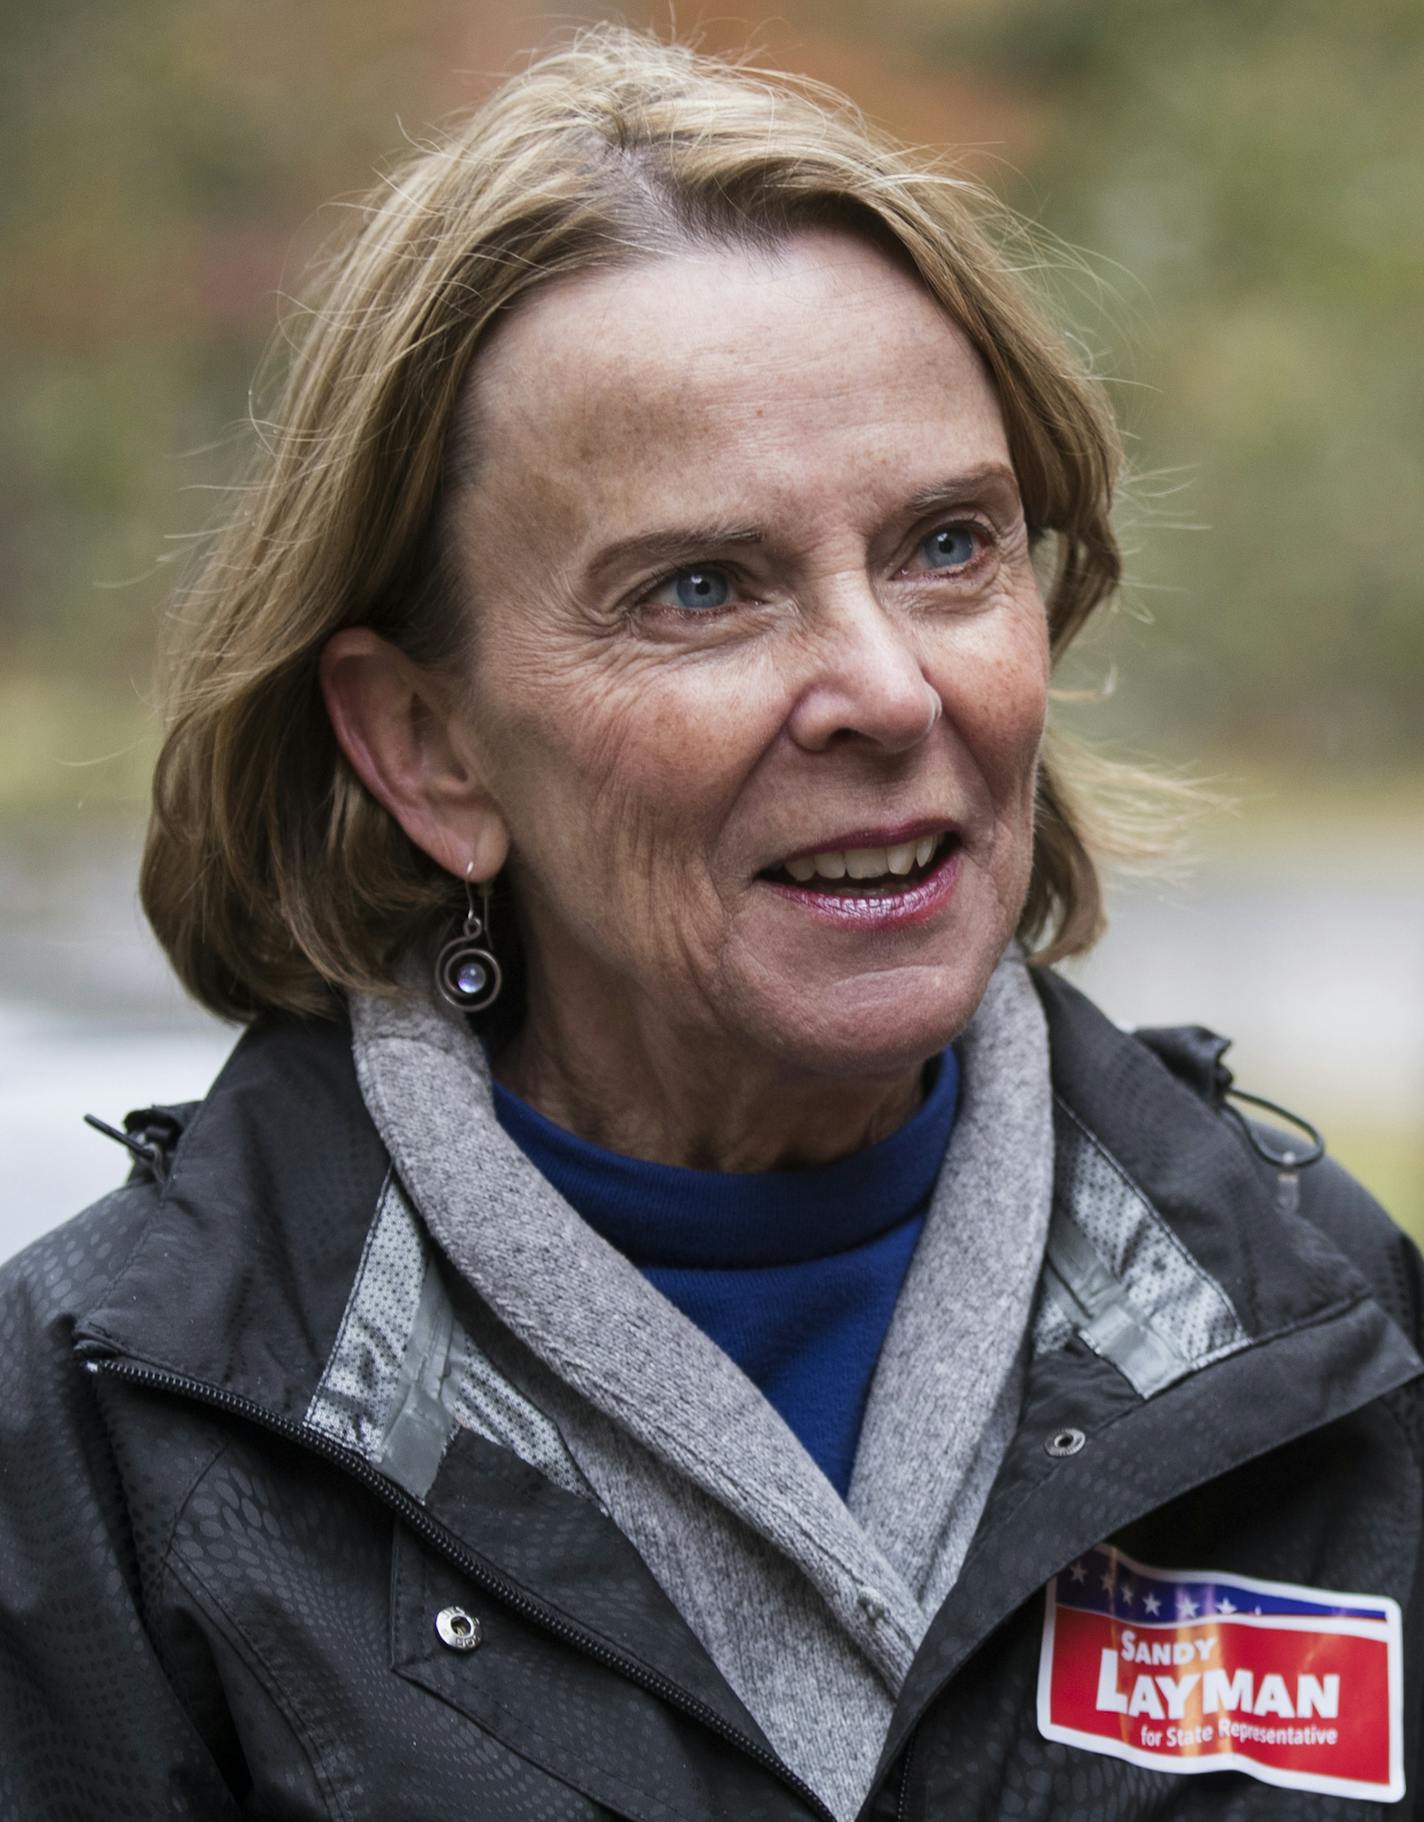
826 1002
877 1024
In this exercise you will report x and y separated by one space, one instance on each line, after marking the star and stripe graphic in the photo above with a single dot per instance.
1101 1581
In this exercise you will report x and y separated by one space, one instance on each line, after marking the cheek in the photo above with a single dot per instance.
626 756
997 695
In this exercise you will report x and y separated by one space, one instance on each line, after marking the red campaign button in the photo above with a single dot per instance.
1201 1670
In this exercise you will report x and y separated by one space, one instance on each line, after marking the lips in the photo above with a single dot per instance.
882 903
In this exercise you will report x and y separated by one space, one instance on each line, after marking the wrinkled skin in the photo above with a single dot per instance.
638 762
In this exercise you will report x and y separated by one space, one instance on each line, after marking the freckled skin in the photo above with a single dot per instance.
646 764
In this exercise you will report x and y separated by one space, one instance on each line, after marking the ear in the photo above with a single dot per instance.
397 724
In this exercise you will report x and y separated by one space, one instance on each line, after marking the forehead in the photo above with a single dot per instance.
728 378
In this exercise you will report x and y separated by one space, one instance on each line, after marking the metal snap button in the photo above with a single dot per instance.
1064 1442
458 1629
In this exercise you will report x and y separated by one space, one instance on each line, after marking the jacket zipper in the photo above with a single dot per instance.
420 1521
903 1793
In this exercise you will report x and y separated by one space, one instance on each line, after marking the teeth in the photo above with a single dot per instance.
865 863
900 858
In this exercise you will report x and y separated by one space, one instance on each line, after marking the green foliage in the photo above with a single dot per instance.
1250 180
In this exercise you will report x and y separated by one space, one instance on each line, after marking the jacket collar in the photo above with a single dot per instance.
243 1275
1153 1139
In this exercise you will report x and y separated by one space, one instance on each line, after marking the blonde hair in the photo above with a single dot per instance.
270 874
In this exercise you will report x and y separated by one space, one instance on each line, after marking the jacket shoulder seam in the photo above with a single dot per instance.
16 1275
189 1576
180 1505
1411 1449
164 1191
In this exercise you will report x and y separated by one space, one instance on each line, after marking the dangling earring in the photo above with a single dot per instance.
467 976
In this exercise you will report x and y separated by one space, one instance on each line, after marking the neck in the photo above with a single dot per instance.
678 1099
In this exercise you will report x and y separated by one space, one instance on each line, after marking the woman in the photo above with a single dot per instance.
666 1312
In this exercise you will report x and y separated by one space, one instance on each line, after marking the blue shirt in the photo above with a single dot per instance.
793 1273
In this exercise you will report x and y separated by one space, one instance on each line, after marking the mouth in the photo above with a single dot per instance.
887 870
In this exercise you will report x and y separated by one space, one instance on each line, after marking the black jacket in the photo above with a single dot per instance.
210 1609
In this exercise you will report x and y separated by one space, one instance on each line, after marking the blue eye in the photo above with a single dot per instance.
951 547
700 588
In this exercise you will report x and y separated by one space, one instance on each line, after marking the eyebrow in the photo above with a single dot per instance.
954 490
669 547
675 545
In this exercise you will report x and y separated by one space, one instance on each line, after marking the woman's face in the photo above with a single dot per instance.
751 586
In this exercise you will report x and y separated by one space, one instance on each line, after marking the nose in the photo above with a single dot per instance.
866 682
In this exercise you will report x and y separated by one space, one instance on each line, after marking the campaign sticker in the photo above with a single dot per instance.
1187 1670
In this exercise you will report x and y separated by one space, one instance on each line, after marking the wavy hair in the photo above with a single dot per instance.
270 874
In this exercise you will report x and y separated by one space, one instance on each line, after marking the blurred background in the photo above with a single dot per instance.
1246 180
